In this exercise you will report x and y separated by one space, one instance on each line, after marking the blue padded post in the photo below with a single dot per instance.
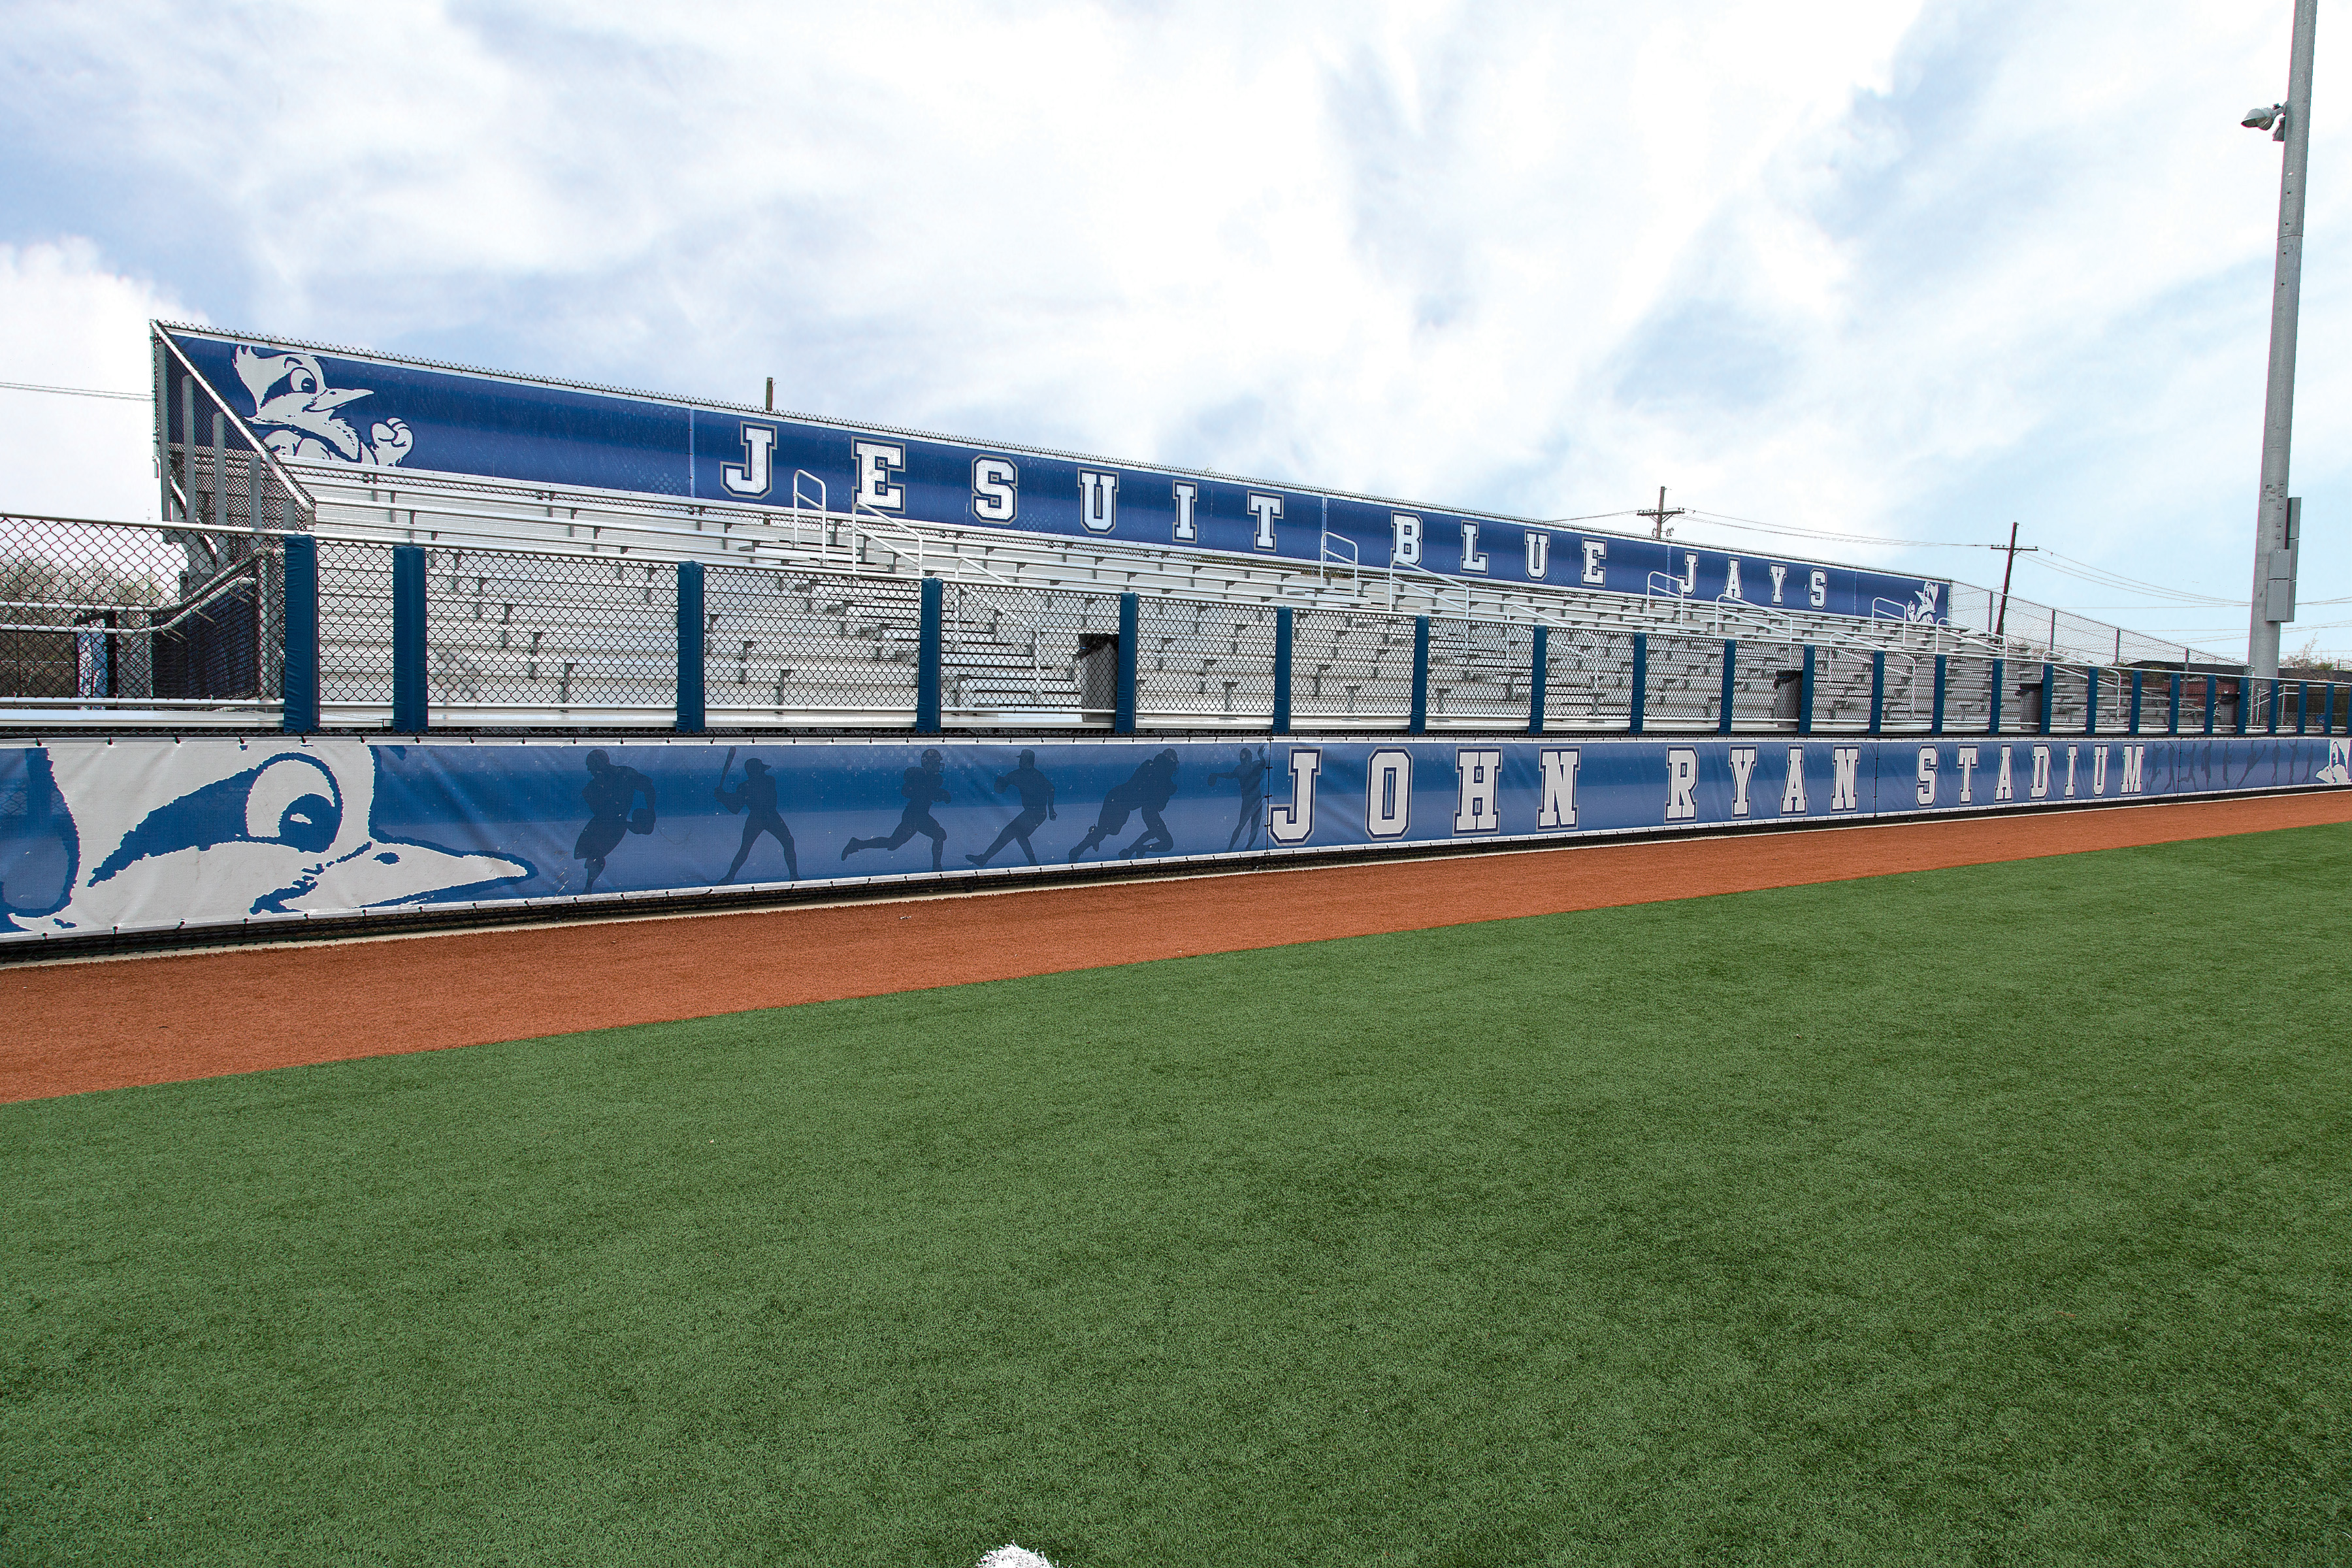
2212 700
1805 696
299 710
1282 645
689 647
1730 663
1877 691
1935 719
929 638
409 714
1640 696
1122 718
1539 666
2246 704
2137 683
1419 723
2091 701
2049 690
2173 710
1999 679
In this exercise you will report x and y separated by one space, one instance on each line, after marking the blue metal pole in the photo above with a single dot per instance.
1805 696
929 654
1730 663
1282 645
408 713
1536 677
2091 701
2000 678
1878 691
690 640
2213 700
2138 681
2172 709
2049 691
1936 722
1639 696
1420 721
1122 719
299 710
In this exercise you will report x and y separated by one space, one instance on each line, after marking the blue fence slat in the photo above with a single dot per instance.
299 711
1282 646
1420 721
690 642
408 713
1538 670
929 638
1122 720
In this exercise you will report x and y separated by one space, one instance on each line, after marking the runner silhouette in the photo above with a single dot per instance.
923 788
611 788
758 796
1249 776
1036 806
1145 791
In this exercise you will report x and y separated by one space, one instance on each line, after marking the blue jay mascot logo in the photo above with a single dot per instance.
300 417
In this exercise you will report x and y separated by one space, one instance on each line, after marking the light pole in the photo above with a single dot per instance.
2274 595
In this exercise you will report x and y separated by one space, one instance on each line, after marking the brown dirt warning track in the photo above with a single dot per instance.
113 1023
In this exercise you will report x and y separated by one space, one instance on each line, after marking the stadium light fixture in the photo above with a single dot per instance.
2262 118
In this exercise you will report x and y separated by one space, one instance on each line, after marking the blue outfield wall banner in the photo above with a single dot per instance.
373 411
143 835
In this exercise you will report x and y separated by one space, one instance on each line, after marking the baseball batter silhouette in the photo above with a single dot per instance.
611 788
757 796
1249 776
1036 806
1147 791
923 788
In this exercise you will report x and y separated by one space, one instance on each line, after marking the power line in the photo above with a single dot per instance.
72 391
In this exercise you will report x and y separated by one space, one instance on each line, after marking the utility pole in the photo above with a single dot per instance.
771 394
1659 517
2002 625
2274 595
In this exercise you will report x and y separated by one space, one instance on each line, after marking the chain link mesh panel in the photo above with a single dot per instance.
1767 684
1350 669
1203 663
1968 694
1480 674
552 634
354 624
1588 678
108 613
1685 689
1027 656
789 646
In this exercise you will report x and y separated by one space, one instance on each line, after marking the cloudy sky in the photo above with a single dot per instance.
1908 269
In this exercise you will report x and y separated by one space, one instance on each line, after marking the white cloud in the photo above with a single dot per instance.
1908 268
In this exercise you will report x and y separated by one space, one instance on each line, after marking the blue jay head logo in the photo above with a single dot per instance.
300 417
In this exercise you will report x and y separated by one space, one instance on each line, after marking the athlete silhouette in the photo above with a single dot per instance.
758 796
1036 806
612 787
923 788
1148 791
1249 776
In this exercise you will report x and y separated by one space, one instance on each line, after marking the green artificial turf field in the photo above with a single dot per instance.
1996 1215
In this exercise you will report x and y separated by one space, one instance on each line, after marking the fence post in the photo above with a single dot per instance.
1877 691
1122 718
1731 662
1936 720
1805 696
1541 663
2091 701
409 714
1641 694
2245 702
2138 680
2172 709
299 688
1999 679
929 638
689 647
2049 682
1282 644
2212 700
1420 722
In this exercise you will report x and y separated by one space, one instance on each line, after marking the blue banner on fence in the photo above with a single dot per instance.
141 835
315 406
